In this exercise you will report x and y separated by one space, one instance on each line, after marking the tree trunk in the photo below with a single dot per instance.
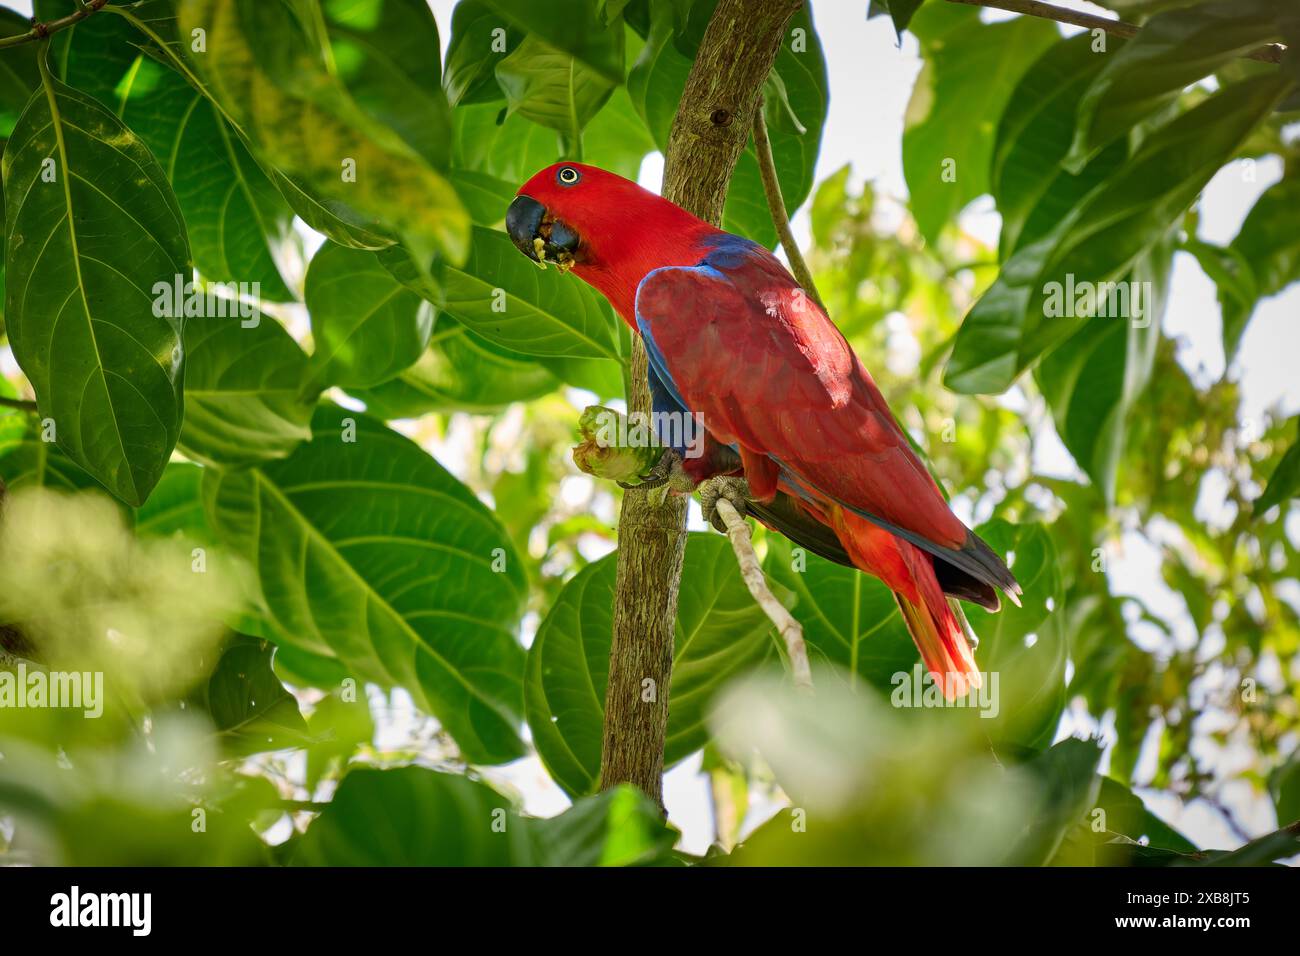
712 125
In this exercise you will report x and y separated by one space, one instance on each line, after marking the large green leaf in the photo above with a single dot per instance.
1099 241
231 209
273 77
849 619
969 73
385 53
580 32
367 550
1066 775
367 326
510 150
246 701
506 299
243 387
1026 647
1032 191
412 816
552 88
91 227
1264 258
458 372
480 37
720 632
233 212
1172 50
1094 379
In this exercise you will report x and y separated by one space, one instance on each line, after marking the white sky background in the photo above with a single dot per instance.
871 80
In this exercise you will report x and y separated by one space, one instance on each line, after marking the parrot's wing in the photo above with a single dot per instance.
737 340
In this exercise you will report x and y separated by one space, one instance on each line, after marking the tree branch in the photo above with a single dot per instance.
1047 11
40 31
22 404
709 131
776 206
791 630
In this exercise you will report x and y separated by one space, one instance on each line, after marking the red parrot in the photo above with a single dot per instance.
783 398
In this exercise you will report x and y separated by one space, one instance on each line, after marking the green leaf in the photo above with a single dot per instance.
338 727
1284 787
411 816
503 297
263 68
249 706
720 632
552 88
367 550
849 619
367 326
579 32
900 12
458 372
509 148
473 52
84 250
1285 480
1032 191
176 506
485 196
234 214
620 827
1172 50
1094 379
27 459
242 390
969 73
19 72
1265 256
1022 315
1066 774
385 54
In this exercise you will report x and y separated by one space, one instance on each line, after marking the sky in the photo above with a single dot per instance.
871 77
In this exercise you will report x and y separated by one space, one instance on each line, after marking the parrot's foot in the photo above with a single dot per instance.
658 475
735 490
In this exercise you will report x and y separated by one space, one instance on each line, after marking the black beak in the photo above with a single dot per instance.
526 222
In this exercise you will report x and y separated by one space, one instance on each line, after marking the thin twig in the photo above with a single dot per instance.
40 31
791 631
1272 53
776 206
22 404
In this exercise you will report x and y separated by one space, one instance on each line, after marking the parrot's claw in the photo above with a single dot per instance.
735 490
657 476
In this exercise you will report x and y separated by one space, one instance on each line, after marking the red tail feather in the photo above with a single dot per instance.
909 573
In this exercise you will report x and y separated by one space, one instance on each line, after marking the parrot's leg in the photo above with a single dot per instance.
735 490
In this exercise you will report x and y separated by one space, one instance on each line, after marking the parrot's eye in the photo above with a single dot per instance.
568 175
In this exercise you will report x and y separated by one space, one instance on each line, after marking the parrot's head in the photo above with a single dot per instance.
607 229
